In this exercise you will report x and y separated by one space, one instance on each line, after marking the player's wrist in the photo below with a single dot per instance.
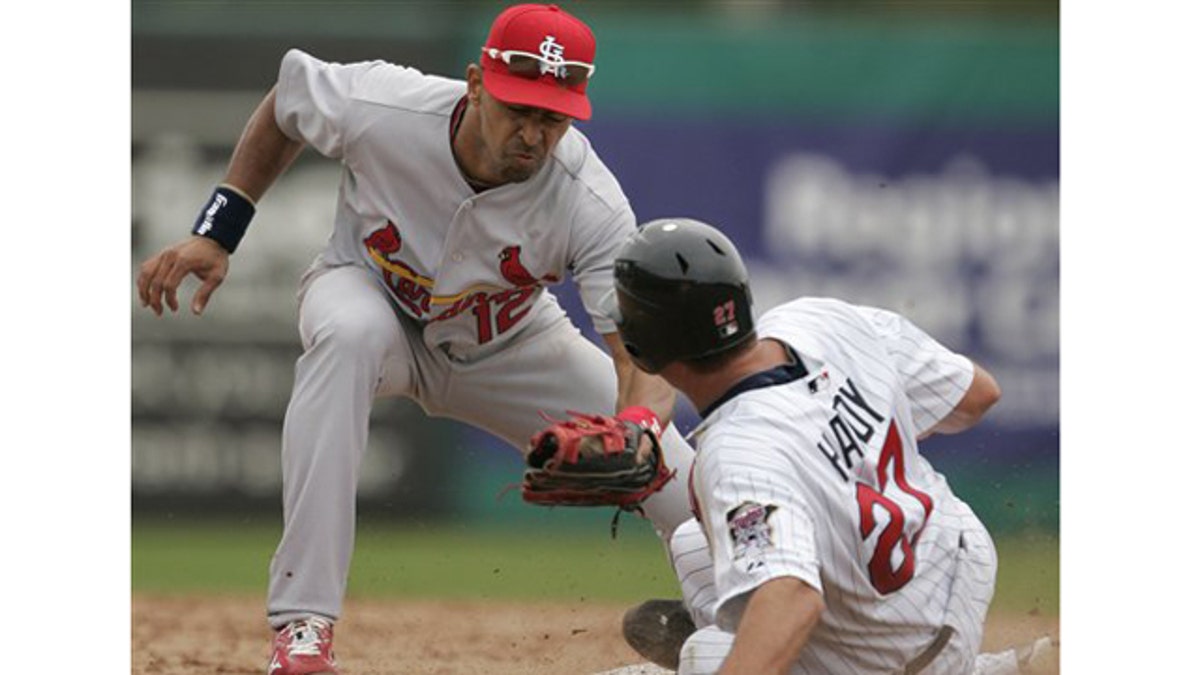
225 217
643 417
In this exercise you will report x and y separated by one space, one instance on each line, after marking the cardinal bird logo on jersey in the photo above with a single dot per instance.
385 240
750 532
408 286
515 273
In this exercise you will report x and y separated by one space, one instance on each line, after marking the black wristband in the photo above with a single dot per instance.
224 218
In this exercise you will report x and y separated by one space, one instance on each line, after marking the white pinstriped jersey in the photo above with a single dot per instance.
467 265
816 475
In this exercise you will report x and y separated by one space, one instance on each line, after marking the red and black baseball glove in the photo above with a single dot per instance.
596 460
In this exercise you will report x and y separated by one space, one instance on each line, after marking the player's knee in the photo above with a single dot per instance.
356 335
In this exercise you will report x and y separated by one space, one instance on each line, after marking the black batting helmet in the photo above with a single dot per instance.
682 292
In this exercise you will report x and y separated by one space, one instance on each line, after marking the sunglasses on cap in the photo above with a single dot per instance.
532 66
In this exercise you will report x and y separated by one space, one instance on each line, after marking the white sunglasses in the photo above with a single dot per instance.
532 66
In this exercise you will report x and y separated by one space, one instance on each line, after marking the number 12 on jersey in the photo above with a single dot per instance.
885 576
506 315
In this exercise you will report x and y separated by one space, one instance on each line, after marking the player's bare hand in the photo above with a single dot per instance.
161 274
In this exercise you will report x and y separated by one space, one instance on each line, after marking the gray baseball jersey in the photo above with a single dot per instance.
812 471
467 265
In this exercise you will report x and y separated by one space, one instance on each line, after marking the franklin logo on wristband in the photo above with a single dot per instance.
225 218
218 201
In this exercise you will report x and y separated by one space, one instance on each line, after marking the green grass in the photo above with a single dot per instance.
456 562
1028 574
446 562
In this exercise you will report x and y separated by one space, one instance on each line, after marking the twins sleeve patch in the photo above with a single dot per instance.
750 532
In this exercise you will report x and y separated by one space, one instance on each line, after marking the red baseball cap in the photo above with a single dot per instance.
540 56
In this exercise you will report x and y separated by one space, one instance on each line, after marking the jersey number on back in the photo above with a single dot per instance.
886 577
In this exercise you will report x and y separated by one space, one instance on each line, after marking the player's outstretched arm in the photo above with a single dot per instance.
774 628
983 393
262 154
635 387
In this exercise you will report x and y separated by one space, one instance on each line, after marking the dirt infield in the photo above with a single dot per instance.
189 635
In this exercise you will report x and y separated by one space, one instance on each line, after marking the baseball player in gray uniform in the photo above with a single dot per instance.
835 546
459 203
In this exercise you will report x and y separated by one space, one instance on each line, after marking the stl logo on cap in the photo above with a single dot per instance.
552 53
540 56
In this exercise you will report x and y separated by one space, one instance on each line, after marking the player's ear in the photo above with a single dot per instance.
474 83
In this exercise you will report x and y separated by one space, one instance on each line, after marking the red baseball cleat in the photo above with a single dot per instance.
304 647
